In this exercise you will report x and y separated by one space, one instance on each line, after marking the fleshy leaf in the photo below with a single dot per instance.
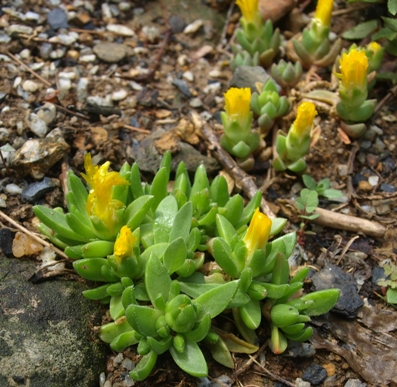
191 360
157 279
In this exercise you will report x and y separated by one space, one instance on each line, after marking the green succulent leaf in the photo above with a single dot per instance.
158 188
225 229
144 367
323 301
216 300
164 218
191 360
123 341
116 308
157 279
137 210
143 319
182 223
219 191
224 257
97 293
284 315
111 331
91 269
221 353
251 314
175 255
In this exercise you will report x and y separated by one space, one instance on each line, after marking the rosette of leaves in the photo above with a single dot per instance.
243 58
268 105
175 322
286 74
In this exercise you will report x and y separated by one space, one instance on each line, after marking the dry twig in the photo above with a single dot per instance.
32 235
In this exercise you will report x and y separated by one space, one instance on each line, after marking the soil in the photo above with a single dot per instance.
161 105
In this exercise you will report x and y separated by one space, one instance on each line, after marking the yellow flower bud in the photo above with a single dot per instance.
258 231
124 244
304 119
374 47
353 67
237 102
324 12
249 9
100 202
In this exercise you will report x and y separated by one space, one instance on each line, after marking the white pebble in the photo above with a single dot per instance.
119 95
58 53
25 53
36 125
128 364
215 74
3 204
373 180
118 359
64 84
193 27
120 30
32 16
30 86
13 189
102 379
212 88
47 113
67 74
87 58
188 75
152 33
17 82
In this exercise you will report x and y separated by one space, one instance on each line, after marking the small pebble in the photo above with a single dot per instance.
128 364
355 383
373 180
57 18
107 384
212 88
13 189
36 125
301 383
102 379
388 188
24 244
16 29
121 30
152 33
177 24
188 75
203 382
182 86
364 186
37 190
314 374
195 103
118 359
128 381
119 95
110 52
87 58
47 113
30 86
6 238
342 170
193 27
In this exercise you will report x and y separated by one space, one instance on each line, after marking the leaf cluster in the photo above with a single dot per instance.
160 294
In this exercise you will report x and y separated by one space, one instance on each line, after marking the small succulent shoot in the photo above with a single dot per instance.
238 140
243 58
374 52
292 148
257 37
147 246
314 47
354 108
268 105
286 74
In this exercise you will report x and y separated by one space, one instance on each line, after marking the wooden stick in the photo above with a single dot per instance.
240 177
349 223
39 77
32 235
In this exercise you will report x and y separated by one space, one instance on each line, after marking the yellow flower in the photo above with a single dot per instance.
324 12
374 47
353 67
124 244
304 119
238 102
100 202
249 9
258 231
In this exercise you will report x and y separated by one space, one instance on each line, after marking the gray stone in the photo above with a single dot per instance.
37 156
37 190
314 374
45 335
355 383
182 87
110 52
177 24
148 157
299 350
247 76
388 188
334 277
57 18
